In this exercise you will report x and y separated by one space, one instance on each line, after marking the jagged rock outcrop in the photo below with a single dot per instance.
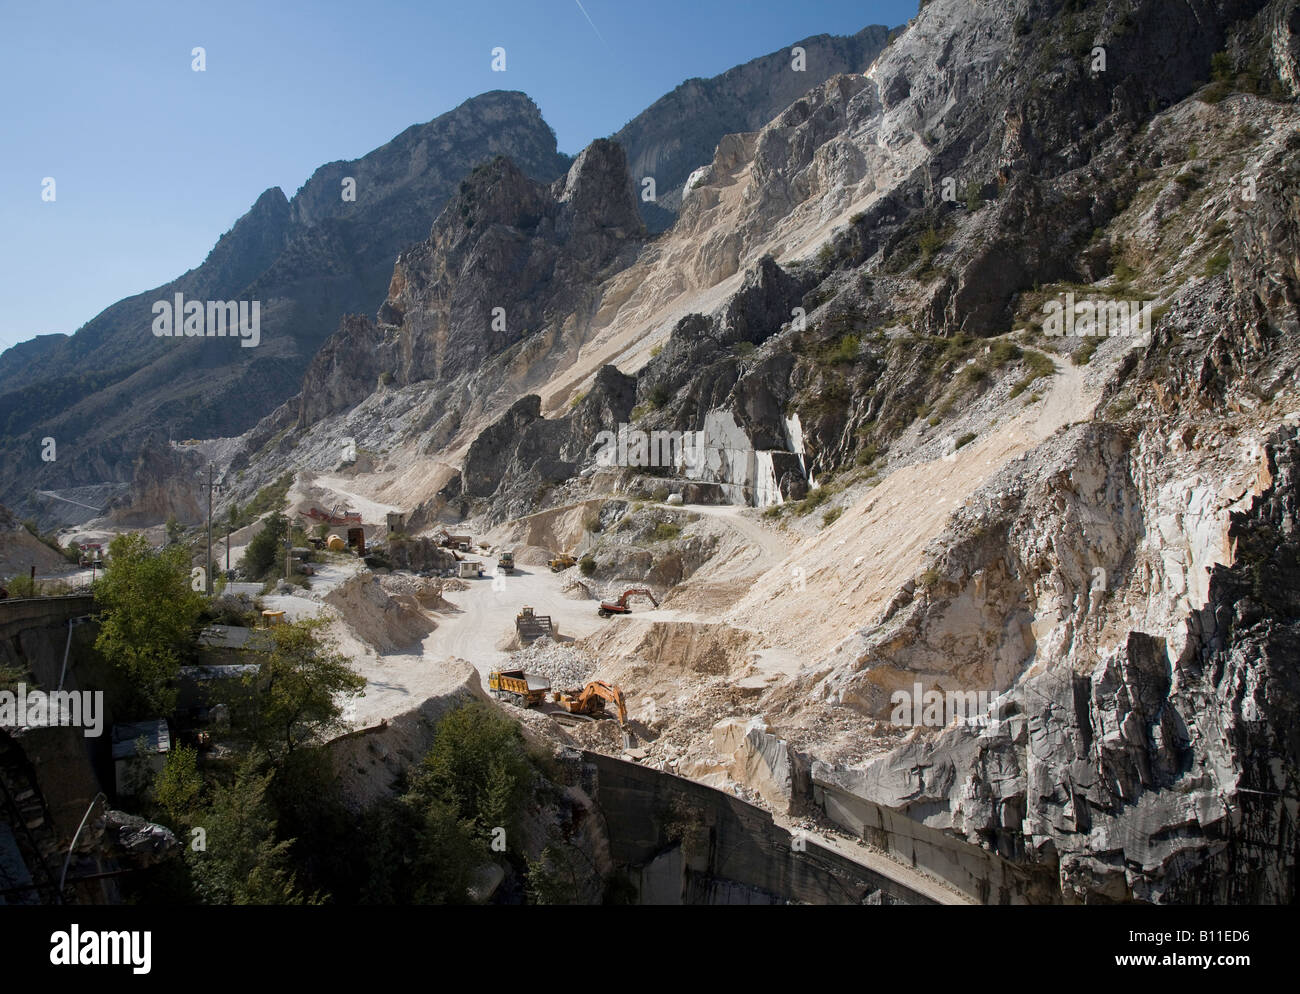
492 450
1154 777
507 260
678 133
522 451
165 481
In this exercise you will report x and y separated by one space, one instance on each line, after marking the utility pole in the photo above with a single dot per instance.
209 529
212 487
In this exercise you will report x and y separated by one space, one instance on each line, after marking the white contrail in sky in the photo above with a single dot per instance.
591 22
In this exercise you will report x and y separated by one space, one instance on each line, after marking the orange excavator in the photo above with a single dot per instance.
620 606
591 700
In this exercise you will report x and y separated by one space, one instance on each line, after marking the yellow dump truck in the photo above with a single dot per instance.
517 687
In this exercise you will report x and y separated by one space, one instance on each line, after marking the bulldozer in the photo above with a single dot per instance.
620 606
531 625
590 700
561 562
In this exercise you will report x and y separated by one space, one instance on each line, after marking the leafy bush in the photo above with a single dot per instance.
965 439
1221 67
1083 354
831 516
929 242
1217 263
666 531
1003 352
1039 366
847 350
23 585
814 500
272 497
1121 406
177 785
265 552
587 565
231 609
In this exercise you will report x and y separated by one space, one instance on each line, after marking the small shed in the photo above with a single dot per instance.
140 750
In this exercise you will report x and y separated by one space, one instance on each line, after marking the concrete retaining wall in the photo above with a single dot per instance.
982 875
17 615
681 842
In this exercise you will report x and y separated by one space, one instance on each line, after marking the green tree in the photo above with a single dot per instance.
418 851
240 861
553 878
11 676
265 552
425 846
299 687
149 620
177 785
478 765
174 531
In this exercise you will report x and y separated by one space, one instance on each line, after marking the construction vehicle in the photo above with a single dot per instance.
523 689
506 561
562 562
620 606
590 700
334 516
533 626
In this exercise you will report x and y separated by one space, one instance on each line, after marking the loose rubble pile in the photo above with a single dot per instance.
564 665
428 592
388 622
576 590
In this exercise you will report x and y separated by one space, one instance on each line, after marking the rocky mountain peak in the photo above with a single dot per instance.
508 258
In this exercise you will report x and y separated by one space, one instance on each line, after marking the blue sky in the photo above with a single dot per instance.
153 161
